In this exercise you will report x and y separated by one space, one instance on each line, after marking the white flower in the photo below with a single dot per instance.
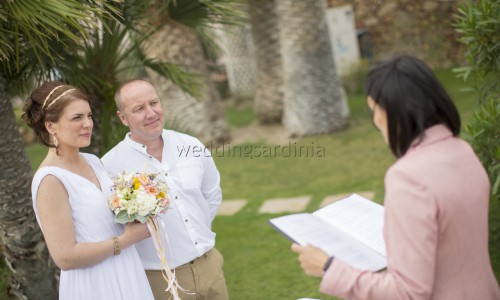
137 202
146 203
125 177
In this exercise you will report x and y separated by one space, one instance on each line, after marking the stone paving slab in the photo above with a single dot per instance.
282 205
335 198
231 207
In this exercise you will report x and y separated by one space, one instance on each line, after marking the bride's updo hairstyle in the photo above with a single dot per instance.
46 103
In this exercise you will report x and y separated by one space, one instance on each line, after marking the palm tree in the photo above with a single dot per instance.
114 54
111 55
269 69
315 102
182 31
83 43
28 30
202 117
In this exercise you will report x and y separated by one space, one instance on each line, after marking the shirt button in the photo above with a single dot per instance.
166 174
143 146
186 220
196 243
176 197
150 156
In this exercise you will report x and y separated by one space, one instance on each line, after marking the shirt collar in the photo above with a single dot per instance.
432 135
141 147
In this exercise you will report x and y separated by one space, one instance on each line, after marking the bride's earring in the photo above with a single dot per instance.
54 140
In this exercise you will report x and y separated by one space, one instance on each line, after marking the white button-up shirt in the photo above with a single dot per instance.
194 191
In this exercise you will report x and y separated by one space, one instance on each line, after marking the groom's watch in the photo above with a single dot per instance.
328 263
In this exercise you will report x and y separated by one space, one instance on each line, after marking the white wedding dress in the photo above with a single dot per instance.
117 277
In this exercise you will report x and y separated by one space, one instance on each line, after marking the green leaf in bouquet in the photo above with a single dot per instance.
123 217
141 218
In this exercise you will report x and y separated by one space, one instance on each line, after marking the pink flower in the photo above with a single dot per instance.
152 190
165 202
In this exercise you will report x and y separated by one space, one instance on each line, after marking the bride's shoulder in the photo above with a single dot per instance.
93 159
90 156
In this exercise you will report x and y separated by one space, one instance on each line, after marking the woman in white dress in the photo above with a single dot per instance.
70 190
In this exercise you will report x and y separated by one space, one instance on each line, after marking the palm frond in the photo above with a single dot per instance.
186 81
38 23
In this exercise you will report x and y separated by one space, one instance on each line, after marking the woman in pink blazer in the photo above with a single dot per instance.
436 199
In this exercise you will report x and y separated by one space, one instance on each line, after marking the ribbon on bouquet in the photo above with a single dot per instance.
157 234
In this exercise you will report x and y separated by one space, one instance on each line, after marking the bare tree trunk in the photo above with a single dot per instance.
269 68
315 102
32 273
203 118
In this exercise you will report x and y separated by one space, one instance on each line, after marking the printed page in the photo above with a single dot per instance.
306 229
359 217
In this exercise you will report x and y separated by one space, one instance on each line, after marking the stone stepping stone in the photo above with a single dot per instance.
335 198
284 205
231 207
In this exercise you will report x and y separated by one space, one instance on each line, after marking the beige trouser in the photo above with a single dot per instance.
203 277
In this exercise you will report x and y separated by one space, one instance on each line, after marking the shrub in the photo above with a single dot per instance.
484 134
478 22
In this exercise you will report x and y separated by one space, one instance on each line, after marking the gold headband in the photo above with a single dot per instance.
58 97
50 94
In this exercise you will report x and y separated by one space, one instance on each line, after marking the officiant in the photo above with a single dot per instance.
436 198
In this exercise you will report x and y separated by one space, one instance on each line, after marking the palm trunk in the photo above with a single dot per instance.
32 273
315 102
203 118
269 68
240 64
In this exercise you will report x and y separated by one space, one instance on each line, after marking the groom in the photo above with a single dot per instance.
195 194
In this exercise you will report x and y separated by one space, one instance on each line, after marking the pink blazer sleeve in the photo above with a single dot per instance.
411 233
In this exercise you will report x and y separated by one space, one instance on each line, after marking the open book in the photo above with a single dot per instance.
350 229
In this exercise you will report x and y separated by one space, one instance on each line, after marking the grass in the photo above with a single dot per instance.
258 261
240 113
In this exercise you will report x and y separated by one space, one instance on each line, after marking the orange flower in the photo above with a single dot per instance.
144 179
116 202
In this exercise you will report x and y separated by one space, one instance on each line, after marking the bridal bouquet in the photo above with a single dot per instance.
138 196
142 197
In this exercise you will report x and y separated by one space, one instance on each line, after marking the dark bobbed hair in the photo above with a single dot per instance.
413 98
35 115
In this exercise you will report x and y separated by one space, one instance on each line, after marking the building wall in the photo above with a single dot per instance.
422 28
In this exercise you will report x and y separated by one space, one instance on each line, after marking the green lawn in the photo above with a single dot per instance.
258 261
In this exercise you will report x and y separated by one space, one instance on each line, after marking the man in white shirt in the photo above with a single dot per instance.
195 193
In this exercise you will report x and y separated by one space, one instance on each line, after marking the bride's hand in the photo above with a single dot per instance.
135 232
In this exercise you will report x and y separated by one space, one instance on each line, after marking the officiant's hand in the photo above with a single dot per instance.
312 259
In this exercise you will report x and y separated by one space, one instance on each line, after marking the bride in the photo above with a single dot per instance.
70 190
